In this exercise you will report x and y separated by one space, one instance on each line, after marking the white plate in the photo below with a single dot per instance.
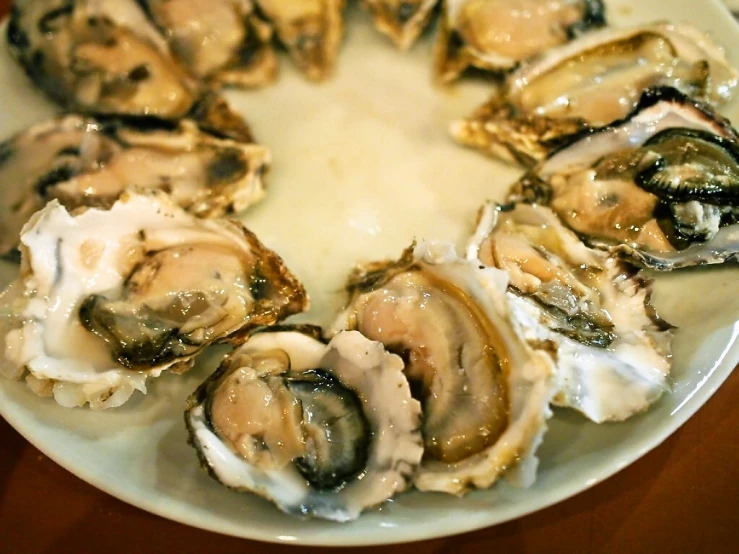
362 164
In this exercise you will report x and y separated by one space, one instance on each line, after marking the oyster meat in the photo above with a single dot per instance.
311 30
591 82
100 56
584 306
401 20
496 35
484 392
84 161
321 430
112 297
658 187
226 43
106 57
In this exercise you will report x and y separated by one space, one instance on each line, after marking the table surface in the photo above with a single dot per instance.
681 497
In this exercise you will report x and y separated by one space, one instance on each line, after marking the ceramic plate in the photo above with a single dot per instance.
362 165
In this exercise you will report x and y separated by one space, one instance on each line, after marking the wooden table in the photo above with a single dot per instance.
681 497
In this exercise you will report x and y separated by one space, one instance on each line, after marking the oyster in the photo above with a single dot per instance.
106 57
484 392
591 82
657 187
89 162
112 297
401 20
225 43
311 30
321 430
496 35
585 307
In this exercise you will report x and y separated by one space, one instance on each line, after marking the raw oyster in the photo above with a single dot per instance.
631 187
112 297
89 162
585 307
101 56
591 82
321 430
106 57
225 43
401 20
311 30
84 161
485 393
497 35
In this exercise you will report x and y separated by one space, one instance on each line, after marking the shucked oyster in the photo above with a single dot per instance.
106 57
497 35
587 308
591 82
311 30
223 42
401 20
101 56
658 187
114 296
322 430
484 392
89 162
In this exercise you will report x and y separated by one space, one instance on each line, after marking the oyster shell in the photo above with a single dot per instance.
585 307
84 161
112 297
321 430
106 57
485 393
591 82
596 184
101 56
496 35
311 30
401 20
226 43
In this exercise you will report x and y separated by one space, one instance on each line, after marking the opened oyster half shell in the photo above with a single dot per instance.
83 161
225 42
401 20
484 392
585 307
591 82
106 57
311 30
496 35
322 430
659 187
112 297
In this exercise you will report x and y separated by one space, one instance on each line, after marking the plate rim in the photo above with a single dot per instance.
723 368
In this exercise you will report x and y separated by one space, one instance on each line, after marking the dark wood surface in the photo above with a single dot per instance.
681 497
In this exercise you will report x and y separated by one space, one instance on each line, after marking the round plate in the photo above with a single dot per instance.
362 165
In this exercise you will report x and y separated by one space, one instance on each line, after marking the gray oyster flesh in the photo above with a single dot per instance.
658 187
401 20
334 410
497 36
106 57
588 309
174 303
323 429
226 44
310 30
591 82
86 161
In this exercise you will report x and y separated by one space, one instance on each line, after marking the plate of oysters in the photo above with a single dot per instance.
368 272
